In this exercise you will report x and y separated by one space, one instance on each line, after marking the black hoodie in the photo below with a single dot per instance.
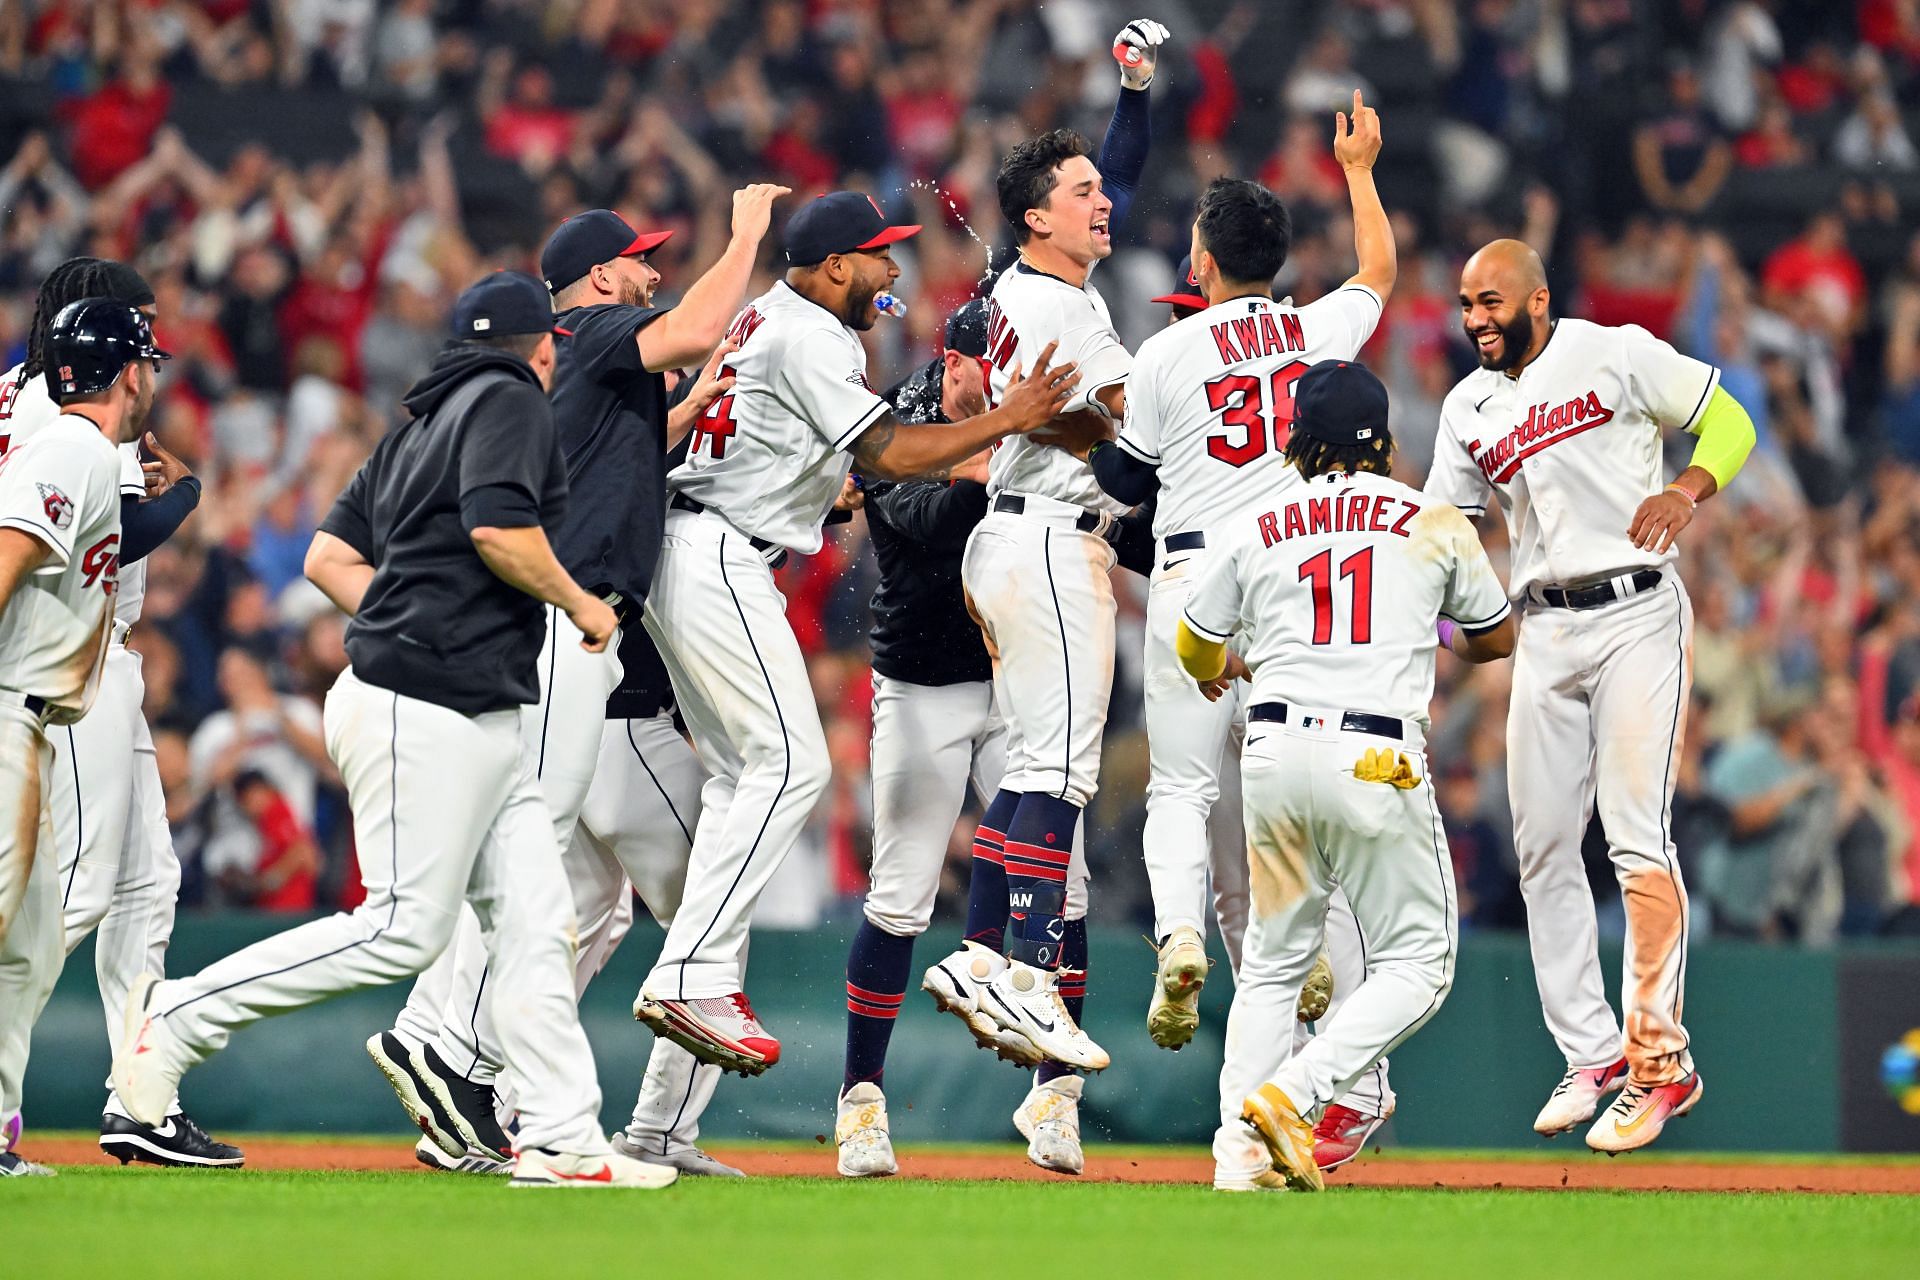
436 624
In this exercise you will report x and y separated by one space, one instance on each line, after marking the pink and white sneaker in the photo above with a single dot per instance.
1577 1097
1641 1111
718 1029
1342 1134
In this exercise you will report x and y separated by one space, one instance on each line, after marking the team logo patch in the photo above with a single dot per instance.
859 379
59 506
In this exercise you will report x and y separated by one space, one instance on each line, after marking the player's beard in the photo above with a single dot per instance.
861 313
137 412
1516 339
635 295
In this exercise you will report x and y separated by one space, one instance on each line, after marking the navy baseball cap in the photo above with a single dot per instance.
967 329
504 303
1340 402
586 240
1187 293
843 222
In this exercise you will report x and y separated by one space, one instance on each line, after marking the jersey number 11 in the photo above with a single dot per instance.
1358 568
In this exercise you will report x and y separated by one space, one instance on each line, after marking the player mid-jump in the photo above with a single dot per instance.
1562 424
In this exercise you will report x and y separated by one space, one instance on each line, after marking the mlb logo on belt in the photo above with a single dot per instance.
1313 722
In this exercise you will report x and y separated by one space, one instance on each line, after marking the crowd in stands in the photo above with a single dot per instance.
307 183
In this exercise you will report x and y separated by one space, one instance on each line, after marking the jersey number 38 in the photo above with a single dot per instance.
1237 398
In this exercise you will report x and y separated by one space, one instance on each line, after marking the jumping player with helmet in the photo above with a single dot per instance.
1336 584
59 567
1562 424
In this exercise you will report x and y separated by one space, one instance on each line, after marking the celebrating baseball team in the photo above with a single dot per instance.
572 678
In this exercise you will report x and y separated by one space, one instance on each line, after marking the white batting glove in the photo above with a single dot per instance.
1136 49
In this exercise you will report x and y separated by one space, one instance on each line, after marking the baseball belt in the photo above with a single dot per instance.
1093 522
1350 721
1599 593
681 502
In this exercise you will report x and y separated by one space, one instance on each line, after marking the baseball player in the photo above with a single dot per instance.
1336 584
1562 424
438 550
1208 407
59 566
1036 572
764 465
935 728
610 407
117 869
635 831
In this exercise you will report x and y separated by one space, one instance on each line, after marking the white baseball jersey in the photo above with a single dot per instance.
1027 310
1210 399
61 487
770 455
1571 447
25 408
1340 583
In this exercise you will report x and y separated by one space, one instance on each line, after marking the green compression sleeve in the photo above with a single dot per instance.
1726 438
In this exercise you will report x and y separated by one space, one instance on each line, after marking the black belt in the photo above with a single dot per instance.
1186 542
35 705
1351 721
1089 522
1598 594
681 502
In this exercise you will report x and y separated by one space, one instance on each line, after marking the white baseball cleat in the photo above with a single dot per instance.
860 1129
538 1168
958 985
1577 1097
1049 1120
15 1165
1025 1002
142 1071
428 1153
1241 1162
1173 1015
692 1162
1641 1111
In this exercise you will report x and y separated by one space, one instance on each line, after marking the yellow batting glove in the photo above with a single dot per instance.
1390 767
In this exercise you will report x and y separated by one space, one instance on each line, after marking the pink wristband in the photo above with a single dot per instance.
1445 630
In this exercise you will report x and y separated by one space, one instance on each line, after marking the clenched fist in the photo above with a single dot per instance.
1137 49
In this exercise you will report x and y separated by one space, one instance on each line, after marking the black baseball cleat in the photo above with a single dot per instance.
178 1142
395 1061
470 1106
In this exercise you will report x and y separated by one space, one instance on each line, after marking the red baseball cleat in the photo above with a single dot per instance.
1342 1134
718 1029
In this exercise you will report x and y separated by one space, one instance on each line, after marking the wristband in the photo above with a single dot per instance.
1683 491
1445 629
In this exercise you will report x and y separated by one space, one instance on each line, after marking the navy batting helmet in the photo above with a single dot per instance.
91 341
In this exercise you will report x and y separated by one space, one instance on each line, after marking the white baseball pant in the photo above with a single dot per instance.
928 740
30 933
1600 701
720 625
445 807
1187 741
561 735
1347 956
1311 825
1044 592
119 873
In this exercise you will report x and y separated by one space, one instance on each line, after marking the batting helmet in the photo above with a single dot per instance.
91 341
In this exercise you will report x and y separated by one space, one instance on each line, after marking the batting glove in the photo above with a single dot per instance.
1136 49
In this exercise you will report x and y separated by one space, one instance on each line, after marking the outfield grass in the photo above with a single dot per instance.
153 1223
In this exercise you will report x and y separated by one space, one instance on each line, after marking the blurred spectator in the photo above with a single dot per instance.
1680 155
1874 137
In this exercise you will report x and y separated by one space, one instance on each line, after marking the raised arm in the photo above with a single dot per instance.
1123 152
687 333
1356 145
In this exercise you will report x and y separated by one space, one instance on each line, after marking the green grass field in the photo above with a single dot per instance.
155 1223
